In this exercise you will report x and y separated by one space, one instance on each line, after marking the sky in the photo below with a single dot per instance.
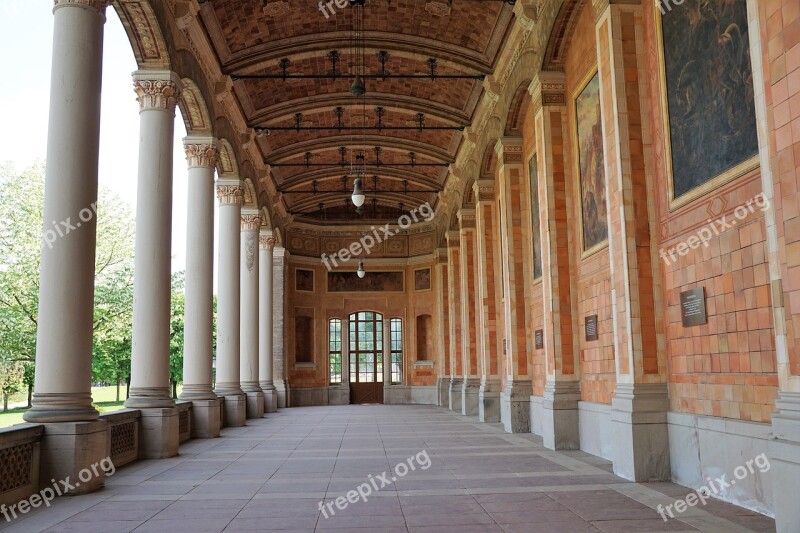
26 39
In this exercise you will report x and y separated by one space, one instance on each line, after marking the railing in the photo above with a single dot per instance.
19 461
184 421
123 435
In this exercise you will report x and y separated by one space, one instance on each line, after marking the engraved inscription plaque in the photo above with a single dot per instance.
693 307
590 323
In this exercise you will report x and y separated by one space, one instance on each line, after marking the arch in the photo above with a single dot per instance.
266 219
489 160
226 164
250 198
561 34
194 109
516 111
144 33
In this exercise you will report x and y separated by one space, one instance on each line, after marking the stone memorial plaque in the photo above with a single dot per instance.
539 338
693 307
590 323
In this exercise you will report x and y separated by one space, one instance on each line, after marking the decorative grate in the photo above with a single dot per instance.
123 438
183 422
15 466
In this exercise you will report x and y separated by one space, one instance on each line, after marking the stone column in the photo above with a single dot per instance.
63 398
555 196
516 396
278 338
442 329
471 382
229 193
640 402
487 301
157 93
248 312
454 290
201 156
266 244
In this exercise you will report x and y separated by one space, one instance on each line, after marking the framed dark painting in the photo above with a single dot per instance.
536 224
422 279
304 280
591 166
371 282
707 88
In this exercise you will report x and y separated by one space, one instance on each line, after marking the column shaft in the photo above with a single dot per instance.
229 193
248 325
66 284
265 314
157 94
201 156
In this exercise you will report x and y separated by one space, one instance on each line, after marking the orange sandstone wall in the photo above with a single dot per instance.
323 305
593 283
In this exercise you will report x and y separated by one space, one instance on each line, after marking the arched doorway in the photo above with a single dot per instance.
366 357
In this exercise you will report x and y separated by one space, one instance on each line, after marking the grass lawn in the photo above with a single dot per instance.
105 399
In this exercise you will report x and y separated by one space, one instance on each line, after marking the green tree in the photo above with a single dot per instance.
11 374
21 206
176 332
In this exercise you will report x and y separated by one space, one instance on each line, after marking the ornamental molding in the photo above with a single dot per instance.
251 221
548 88
484 190
98 5
156 90
267 242
466 218
201 154
230 194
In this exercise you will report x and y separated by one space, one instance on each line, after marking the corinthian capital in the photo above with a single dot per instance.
200 153
230 194
251 220
156 89
99 5
266 242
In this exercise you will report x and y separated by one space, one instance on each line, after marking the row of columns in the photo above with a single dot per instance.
74 435
490 296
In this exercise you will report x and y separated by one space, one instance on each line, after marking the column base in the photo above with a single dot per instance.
641 438
254 406
61 407
150 398
160 433
489 400
442 391
283 393
470 388
68 448
270 397
206 418
784 455
560 428
197 392
234 409
515 406
454 394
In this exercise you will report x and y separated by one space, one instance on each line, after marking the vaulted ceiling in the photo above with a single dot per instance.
419 96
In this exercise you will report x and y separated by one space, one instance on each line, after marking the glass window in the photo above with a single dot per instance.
335 350
396 349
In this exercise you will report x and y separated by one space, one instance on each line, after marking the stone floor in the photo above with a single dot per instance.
272 474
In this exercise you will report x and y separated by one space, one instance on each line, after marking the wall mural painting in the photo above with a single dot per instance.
422 279
708 89
591 162
533 173
304 280
372 282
